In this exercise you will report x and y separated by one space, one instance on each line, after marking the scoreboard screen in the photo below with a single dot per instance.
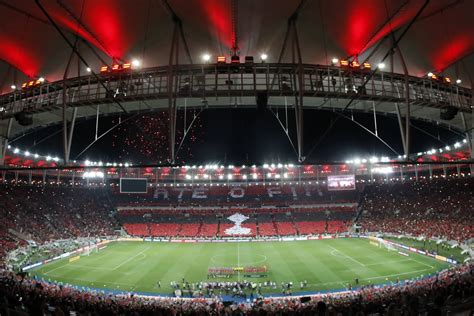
341 183
133 185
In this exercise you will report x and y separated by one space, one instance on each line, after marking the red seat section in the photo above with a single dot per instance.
164 230
137 229
209 230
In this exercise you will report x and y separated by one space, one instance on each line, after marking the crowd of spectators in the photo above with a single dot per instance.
42 214
433 296
434 208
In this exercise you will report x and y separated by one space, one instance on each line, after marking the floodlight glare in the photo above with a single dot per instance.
381 66
206 57
136 63
335 60
458 81
263 57
88 69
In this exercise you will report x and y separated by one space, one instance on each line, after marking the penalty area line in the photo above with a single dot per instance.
57 268
130 259
347 257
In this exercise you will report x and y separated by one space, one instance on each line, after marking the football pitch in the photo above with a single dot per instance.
329 264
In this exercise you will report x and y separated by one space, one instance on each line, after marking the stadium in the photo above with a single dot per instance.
236 157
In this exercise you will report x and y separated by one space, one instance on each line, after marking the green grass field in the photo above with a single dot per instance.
325 264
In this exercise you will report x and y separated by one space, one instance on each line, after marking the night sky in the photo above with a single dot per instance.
235 136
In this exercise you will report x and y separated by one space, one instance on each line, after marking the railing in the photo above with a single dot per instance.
214 81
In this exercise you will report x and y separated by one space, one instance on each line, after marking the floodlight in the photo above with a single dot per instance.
136 63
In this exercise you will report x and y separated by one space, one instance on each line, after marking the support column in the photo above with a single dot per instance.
174 53
299 100
407 101
71 133
469 130
64 110
5 129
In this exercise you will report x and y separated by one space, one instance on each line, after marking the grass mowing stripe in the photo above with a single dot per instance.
346 256
131 258
137 266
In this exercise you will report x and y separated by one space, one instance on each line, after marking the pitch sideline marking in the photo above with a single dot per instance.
387 262
346 256
130 259
57 268
422 263
92 282
373 278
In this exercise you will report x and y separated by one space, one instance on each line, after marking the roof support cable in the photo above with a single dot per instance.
372 73
78 54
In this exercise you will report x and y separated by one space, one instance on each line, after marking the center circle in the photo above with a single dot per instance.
216 259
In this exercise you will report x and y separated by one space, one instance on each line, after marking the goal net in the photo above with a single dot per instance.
386 245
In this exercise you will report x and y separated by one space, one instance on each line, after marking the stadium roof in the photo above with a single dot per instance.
439 41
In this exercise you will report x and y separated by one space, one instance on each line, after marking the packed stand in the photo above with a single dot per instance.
42 214
434 208
434 295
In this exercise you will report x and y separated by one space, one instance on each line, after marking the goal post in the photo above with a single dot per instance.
91 248
381 243
386 245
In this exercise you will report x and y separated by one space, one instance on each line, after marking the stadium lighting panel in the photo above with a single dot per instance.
263 57
344 63
235 59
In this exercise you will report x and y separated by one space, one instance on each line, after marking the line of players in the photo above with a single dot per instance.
235 289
